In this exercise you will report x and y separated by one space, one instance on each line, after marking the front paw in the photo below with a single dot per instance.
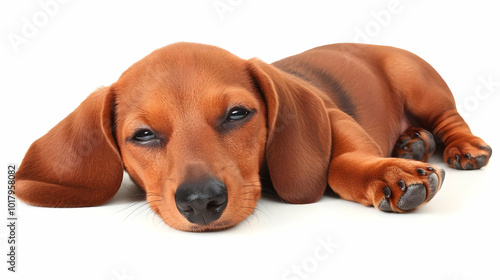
405 185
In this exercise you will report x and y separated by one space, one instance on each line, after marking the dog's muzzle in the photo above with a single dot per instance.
201 201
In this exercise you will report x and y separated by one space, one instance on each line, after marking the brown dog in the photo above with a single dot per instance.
196 127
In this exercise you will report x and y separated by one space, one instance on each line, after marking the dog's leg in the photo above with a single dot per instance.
415 143
358 171
463 150
430 104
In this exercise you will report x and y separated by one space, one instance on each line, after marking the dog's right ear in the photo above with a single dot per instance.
77 163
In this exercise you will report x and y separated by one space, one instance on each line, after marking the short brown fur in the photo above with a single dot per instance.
329 116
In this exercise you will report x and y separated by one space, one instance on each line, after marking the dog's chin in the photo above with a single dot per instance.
218 225
182 224
213 226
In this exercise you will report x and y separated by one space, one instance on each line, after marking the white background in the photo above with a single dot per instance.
80 45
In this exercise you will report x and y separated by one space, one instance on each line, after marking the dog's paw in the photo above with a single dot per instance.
415 143
467 154
405 185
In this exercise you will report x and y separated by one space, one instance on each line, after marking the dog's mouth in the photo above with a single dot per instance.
213 226
205 205
228 220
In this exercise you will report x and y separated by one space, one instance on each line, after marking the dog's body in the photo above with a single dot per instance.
196 126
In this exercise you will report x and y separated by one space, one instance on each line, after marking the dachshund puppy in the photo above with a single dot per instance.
197 128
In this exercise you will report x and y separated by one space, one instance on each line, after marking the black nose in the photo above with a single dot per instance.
201 201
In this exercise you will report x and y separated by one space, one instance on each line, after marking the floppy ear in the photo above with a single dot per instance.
77 162
299 135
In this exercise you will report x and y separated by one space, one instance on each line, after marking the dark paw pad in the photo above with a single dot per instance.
481 161
385 205
415 186
487 148
467 152
413 197
467 161
406 148
415 143
434 184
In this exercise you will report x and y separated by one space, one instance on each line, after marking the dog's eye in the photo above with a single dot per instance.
236 114
147 138
144 135
236 117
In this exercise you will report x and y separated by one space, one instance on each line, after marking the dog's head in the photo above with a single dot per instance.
192 125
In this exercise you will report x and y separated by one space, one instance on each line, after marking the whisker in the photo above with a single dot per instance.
251 192
161 221
256 216
130 205
132 189
136 194
144 208
248 222
157 200
247 207
143 204
253 181
153 194
264 213
253 215
251 185
155 215
260 203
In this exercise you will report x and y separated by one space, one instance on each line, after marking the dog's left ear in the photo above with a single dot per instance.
299 134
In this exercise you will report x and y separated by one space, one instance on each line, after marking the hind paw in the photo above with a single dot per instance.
415 143
467 154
